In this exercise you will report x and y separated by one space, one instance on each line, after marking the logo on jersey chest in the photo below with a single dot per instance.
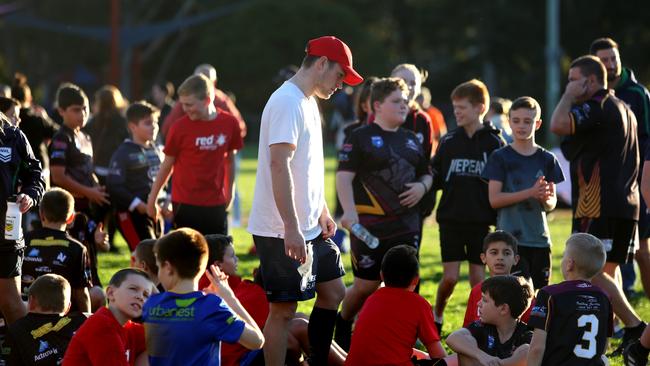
411 144
211 142
5 154
377 141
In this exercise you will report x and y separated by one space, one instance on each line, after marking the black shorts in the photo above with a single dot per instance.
204 219
279 273
534 263
11 262
366 262
135 227
460 242
644 221
618 236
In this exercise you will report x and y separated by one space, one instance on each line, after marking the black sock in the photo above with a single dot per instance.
320 331
343 332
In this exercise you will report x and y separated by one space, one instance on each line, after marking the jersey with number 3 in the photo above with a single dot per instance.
577 317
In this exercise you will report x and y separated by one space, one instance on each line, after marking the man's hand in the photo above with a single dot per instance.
349 218
575 89
97 195
413 194
294 245
327 224
24 202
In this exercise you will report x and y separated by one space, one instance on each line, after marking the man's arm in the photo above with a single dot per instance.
537 348
93 194
81 297
562 121
282 182
346 198
462 342
166 168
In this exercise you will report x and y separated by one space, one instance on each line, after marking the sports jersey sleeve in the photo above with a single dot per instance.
495 168
59 149
471 312
32 183
554 171
236 141
427 332
541 313
350 154
285 124
224 324
479 332
585 117
120 195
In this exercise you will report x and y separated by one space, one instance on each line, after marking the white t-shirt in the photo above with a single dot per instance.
290 117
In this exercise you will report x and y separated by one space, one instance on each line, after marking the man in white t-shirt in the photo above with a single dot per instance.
289 220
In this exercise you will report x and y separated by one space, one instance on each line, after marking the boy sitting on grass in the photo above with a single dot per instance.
499 338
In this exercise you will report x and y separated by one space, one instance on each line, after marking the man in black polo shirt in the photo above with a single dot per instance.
636 96
603 150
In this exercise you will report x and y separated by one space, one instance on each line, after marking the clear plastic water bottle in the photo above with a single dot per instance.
13 220
364 235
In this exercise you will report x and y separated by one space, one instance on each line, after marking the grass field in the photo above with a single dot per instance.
431 268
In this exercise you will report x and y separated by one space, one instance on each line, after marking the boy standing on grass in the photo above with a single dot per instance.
197 150
522 179
464 213
573 319
499 338
133 168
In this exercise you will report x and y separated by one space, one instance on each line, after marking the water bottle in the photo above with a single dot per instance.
13 220
364 235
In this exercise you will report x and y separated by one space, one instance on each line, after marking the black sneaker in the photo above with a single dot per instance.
635 355
631 335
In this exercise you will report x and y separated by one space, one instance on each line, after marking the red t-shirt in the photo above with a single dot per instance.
253 299
101 340
472 314
390 322
200 149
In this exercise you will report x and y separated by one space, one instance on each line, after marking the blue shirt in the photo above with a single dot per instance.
525 220
187 329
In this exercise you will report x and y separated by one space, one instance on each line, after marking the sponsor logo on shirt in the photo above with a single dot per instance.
343 156
49 327
539 310
61 257
347 147
182 310
490 341
42 346
420 137
587 303
5 154
412 145
210 142
34 252
377 141
465 167
366 261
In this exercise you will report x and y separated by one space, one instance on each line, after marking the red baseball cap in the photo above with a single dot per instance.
334 49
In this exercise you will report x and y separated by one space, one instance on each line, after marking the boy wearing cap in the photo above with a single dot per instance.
290 222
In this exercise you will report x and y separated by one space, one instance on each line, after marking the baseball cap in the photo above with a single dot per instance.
334 49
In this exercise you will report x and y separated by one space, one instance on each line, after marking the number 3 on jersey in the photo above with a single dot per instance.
590 321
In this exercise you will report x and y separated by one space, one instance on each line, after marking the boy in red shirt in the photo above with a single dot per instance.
394 317
109 337
200 149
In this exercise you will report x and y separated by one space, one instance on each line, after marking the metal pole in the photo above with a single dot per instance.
552 64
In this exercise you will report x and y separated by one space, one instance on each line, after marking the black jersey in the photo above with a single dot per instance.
487 338
420 123
133 169
604 155
54 251
40 339
39 129
457 168
74 151
577 318
384 161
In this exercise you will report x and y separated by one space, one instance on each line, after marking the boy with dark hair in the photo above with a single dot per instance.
109 337
500 254
384 336
392 175
522 178
133 168
41 337
71 152
199 148
573 319
183 325
464 213
499 337
144 258
51 249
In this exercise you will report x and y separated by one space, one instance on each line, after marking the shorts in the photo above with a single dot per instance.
644 221
135 227
279 273
618 236
11 262
366 262
534 263
204 219
460 242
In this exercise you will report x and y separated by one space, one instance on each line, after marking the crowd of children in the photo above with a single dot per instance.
182 302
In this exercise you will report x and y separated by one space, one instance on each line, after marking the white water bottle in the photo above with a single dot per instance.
364 235
13 220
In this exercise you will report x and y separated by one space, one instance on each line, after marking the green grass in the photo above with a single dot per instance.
431 267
